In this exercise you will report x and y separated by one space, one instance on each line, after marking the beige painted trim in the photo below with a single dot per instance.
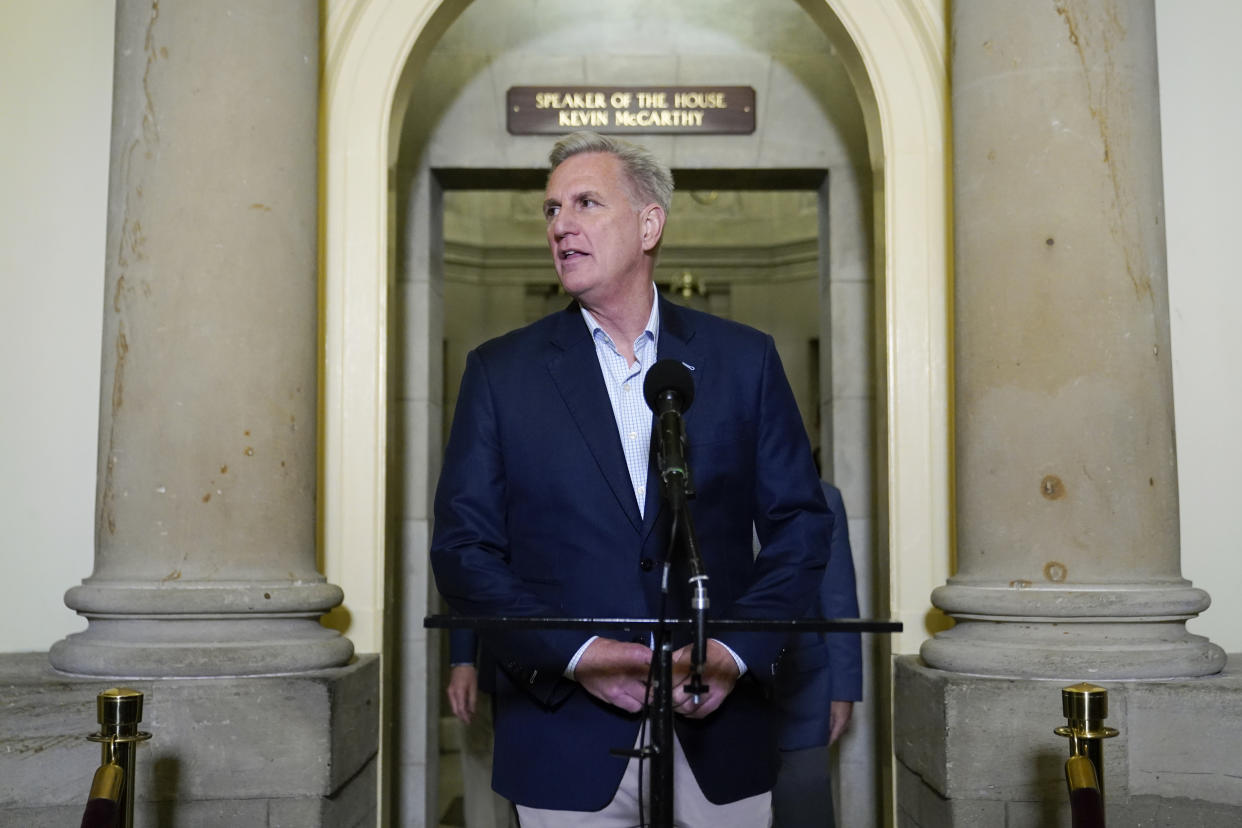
901 44
366 45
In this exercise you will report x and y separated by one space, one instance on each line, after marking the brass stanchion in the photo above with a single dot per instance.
1085 707
112 790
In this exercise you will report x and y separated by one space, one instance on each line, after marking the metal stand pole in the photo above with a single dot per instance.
119 712
662 733
1085 707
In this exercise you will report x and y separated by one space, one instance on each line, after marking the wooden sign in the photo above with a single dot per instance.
703 110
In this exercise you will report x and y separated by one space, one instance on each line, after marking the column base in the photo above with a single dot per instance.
1062 650
198 630
1105 631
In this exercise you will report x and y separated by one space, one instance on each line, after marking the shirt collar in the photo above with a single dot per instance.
653 319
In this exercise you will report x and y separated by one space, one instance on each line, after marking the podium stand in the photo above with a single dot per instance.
660 710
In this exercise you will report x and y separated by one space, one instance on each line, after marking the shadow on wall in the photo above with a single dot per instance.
1052 803
166 773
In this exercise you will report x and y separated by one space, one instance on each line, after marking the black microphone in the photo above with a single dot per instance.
669 391
668 376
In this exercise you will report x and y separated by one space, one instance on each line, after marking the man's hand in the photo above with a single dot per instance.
719 674
615 672
463 691
838 717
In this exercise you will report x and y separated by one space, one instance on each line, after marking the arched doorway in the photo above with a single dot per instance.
374 53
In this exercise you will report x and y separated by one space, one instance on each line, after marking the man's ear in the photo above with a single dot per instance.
652 225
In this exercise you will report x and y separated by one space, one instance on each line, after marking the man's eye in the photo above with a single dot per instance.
587 202
550 212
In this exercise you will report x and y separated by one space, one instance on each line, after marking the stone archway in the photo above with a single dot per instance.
895 50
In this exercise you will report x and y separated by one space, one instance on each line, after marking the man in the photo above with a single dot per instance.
482 807
548 506
819 681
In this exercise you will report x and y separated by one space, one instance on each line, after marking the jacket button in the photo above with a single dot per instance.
646 564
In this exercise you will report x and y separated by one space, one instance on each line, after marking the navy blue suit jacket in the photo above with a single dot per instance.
535 515
822 668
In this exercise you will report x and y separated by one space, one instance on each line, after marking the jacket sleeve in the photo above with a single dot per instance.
791 520
463 646
470 549
838 597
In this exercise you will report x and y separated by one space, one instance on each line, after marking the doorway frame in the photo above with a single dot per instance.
895 54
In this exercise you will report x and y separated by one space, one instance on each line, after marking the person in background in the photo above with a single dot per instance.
819 680
469 692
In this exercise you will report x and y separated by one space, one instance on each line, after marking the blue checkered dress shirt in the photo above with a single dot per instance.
625 391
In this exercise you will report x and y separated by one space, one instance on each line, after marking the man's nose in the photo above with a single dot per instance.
563 225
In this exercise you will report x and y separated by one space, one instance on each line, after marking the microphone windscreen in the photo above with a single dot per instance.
669 375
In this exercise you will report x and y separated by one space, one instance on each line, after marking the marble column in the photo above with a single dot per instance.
205 508
1067 511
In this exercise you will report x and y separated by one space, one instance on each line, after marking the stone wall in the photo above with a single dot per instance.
297 751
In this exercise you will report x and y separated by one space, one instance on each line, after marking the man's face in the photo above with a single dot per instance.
595 232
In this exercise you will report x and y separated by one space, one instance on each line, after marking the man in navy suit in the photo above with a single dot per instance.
819 681
548 505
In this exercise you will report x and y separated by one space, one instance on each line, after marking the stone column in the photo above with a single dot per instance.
1067 514
205 509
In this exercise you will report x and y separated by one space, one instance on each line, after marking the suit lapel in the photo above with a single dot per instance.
575 371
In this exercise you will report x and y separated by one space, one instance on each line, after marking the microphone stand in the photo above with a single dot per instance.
661 749
677 489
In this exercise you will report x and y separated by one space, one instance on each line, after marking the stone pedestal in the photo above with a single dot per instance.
296 751
205 533
980 752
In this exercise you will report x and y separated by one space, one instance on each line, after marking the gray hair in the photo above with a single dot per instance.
649 177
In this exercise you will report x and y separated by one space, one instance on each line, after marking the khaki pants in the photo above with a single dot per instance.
690 808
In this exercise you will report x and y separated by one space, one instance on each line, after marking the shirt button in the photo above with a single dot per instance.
633 435
646 564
